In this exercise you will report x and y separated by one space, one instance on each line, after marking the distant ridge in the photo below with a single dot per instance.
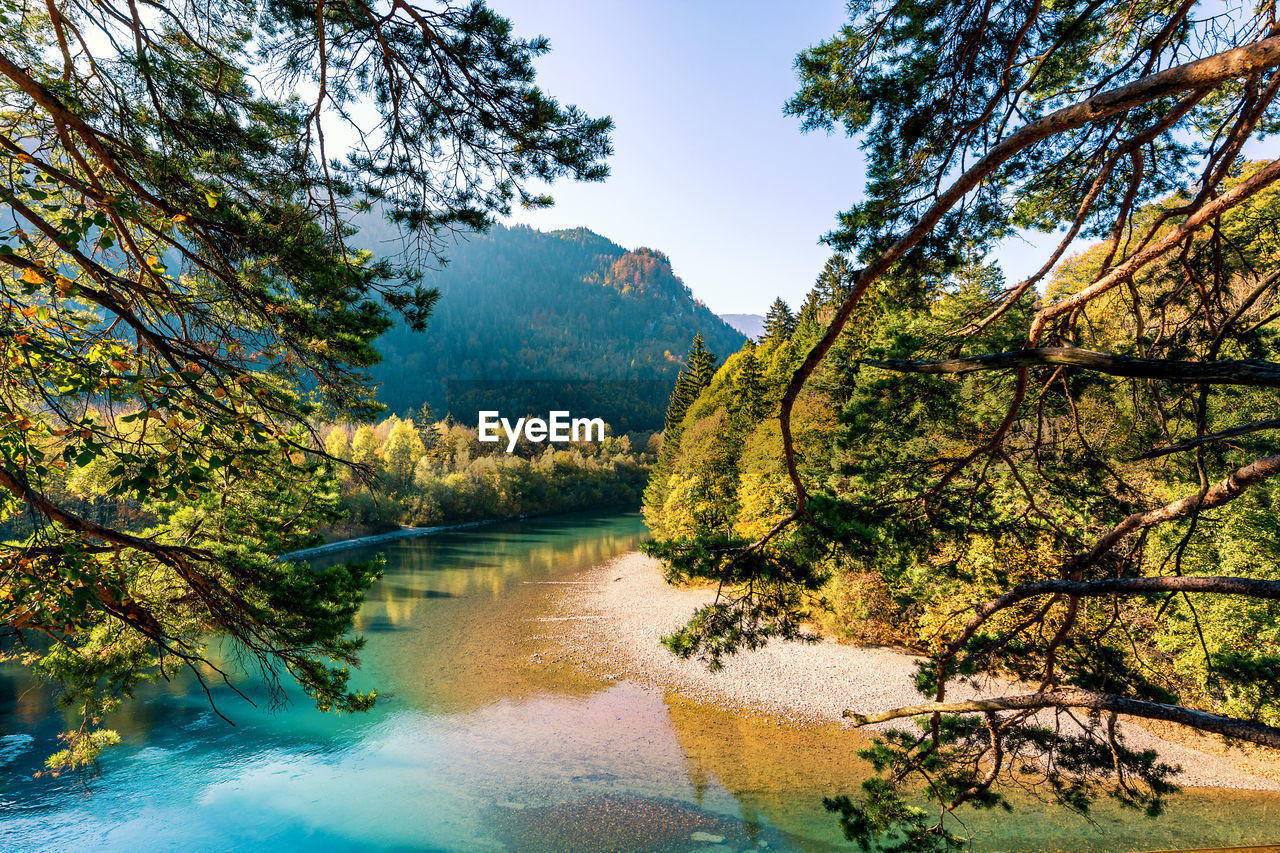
751 325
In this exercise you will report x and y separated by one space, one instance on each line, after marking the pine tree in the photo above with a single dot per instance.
682 397
699 368
701 365
821 302
697 372
780 322
426 423
750 387
832 285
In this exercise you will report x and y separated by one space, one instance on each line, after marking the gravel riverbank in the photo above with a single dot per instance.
621 608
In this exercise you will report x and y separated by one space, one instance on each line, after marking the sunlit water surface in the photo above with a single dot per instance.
483 741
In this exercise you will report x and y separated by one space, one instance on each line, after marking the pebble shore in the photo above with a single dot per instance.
621 609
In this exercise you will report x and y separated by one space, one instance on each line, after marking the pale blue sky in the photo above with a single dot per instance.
707 168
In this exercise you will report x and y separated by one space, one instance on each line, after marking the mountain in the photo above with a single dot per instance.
538 320
751 325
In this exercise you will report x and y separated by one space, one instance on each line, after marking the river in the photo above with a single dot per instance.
481 741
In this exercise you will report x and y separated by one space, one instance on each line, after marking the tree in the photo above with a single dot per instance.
337 447
750 401
177 232
821 302
365 446
1091 120
696 374
629 310
693 377
401 452
779 323
336 444
426 424
701 364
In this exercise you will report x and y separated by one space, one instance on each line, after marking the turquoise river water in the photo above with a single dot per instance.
482 742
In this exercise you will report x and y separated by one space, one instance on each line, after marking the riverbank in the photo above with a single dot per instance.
409 532
621 609
405 532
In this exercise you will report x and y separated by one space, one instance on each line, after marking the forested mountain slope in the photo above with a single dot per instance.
521 304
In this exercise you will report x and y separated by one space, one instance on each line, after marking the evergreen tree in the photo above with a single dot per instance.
701 365
750 387
820 303
780 322
697 372
425 422
682 397
696 375
832 285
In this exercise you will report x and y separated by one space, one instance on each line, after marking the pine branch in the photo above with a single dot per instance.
1251 372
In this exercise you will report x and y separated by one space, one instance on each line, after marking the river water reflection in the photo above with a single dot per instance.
482 742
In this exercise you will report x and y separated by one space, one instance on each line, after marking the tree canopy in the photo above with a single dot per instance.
179 186
779 322
1061 484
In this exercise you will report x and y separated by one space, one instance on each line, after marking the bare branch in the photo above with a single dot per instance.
1245 730
1252 372
1193 443
1251 587
1225 491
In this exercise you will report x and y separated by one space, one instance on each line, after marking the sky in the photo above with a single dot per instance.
706 167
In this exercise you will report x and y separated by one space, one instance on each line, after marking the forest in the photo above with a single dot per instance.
1061 485
429 473
883 564
864 436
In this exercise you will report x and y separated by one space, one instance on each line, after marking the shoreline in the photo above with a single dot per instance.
407 532
621 608
404 532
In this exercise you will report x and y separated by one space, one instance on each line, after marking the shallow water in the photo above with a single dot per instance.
483 742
